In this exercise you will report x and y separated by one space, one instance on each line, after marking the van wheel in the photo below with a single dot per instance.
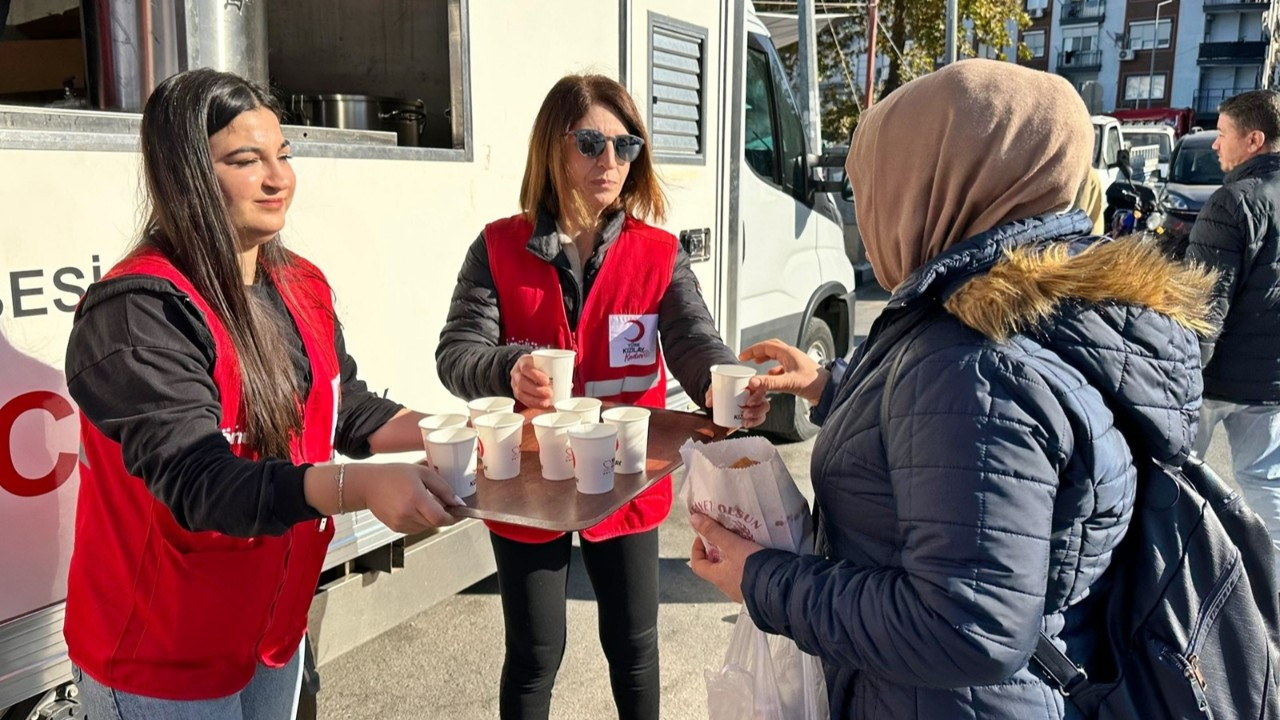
789 415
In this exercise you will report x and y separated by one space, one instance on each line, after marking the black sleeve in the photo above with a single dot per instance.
362 412
690 340
139 365
471 359
1219 241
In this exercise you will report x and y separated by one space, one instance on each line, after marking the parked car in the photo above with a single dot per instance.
1194 173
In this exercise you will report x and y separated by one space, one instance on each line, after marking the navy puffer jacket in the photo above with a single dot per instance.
988 508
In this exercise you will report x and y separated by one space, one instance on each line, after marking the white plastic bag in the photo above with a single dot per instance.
764 677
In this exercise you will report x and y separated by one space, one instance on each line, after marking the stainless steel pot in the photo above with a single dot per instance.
405 118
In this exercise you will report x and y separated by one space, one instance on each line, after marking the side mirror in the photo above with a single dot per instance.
812 162
846 192
1122 162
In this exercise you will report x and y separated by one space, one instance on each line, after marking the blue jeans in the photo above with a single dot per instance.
272 694
1254 434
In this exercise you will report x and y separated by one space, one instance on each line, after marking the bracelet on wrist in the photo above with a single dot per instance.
342 476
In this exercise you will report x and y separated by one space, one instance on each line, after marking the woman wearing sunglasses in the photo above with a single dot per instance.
580 269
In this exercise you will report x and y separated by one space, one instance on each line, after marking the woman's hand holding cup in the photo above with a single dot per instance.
795 373
530 386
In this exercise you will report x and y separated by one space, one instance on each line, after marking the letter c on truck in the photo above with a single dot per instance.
10 479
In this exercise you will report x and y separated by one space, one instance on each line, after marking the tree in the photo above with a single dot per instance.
918 33
911 34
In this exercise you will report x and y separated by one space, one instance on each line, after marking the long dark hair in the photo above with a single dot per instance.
190 225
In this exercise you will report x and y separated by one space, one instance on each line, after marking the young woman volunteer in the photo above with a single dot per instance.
211 374
579 268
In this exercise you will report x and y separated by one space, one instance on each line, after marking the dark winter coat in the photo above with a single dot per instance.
1238 234
987 509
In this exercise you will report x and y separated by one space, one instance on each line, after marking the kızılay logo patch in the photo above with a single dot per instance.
633 340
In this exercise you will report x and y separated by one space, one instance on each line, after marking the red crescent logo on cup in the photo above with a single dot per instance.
639 331
480 447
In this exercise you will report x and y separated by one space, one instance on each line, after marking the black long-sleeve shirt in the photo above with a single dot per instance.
140 366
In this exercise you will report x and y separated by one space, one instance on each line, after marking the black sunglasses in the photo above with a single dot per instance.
591 144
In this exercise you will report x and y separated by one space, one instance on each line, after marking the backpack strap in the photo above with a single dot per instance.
1070 678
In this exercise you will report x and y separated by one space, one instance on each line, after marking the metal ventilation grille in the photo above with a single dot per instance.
677 93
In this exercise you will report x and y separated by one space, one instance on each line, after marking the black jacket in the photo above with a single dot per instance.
473 362
140 366
1238 234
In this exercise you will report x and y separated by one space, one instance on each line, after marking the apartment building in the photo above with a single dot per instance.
1124 54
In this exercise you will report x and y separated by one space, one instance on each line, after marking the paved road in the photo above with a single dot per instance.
445 662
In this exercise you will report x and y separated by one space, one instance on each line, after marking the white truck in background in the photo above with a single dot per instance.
1108 144
390 225
1140 137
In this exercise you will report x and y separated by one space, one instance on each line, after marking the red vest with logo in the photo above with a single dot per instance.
155 610
618 357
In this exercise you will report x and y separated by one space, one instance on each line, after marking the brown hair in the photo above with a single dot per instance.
1256 110
546 172
189 224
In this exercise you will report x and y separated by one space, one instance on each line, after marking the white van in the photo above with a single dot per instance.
390 224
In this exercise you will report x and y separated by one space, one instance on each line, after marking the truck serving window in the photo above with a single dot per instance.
366 80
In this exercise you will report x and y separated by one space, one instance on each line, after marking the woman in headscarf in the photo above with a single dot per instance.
972 478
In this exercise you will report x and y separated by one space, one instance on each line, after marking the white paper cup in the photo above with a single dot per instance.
586 408
431 423
633 437
486 405
453 454
552 431
500 434
728 393
557 365
594 446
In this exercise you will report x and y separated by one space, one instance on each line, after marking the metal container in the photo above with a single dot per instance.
362 112
116 64
229 35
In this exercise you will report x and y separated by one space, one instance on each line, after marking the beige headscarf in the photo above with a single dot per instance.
1090 200
959 152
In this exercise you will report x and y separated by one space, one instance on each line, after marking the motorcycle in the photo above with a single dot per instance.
1140 208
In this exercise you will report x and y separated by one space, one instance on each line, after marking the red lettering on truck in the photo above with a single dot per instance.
14 481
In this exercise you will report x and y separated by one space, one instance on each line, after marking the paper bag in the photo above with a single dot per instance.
744 485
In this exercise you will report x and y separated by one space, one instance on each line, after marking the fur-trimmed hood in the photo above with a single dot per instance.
1030 284
1118 311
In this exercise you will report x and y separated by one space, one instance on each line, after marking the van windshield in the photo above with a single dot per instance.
1196 166
1139 139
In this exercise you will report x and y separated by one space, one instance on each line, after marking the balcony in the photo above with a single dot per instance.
1078 12
1233 53
1246 5
1079 60
1206 102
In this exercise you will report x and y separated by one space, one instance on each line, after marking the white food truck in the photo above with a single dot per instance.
390 195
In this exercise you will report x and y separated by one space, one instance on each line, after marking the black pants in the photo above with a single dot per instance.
532 579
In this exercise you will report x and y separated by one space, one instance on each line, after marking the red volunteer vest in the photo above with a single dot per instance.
618 357
155 610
